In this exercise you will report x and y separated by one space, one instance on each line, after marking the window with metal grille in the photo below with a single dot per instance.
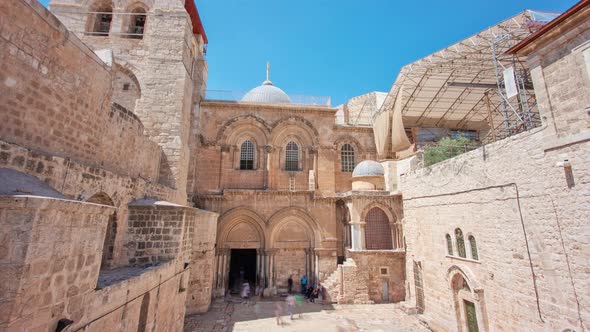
292 157
377 230
247 155
102 23
460 243
473 247
347 158
449 245
137 26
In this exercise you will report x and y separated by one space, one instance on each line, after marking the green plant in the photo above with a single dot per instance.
447 148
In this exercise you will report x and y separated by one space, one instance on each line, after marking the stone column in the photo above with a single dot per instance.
316 268
314 152
225 271
216 272
223 150
267 167
358 242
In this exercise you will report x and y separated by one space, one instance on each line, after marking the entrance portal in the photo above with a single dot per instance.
242 269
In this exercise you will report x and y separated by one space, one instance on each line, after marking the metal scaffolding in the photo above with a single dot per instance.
463 86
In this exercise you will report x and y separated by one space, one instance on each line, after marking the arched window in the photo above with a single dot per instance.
292 157
460 243
473 247
103 16
247 155
449 245
347 158
137 23
377 230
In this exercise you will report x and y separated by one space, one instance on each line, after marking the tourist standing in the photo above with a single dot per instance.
303 284
290 284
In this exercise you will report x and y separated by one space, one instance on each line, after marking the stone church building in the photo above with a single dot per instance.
130 196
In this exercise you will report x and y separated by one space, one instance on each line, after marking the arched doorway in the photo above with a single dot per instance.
240 251
468 302
243 241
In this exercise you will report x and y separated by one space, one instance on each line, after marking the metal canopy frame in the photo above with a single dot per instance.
462 86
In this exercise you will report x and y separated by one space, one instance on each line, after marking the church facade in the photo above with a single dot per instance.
130 198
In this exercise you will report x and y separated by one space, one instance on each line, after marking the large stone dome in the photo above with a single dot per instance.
368 168
267 93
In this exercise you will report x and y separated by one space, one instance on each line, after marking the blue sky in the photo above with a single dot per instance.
338 48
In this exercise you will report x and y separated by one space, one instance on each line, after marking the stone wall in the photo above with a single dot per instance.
79 181
151 300
382 266
560 69
50 104
154 233
50 260
525 201
529 228
200 285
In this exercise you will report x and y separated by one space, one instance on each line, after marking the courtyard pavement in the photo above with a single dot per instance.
259 317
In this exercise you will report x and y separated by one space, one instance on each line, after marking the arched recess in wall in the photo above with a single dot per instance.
395 227
359 150
135 22
468 299
233 129
301 218
126 87
294 126
241 228
108 248
100 18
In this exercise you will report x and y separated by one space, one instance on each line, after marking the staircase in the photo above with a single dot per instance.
354 283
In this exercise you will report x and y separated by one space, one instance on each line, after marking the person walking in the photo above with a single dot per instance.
303 284
278 312
291 301
290 284
299 299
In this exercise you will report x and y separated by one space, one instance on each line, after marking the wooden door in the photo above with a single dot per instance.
471 317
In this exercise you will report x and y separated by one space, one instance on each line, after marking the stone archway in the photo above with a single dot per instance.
293 236
468 301
240 250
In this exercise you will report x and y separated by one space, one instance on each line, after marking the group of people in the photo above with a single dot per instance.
296 301
311 293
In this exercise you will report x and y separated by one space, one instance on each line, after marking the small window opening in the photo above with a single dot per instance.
460 243
126 87
102 23
292 157
347 158
137 27
247 155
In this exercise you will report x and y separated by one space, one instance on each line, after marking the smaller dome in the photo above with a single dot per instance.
368 168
